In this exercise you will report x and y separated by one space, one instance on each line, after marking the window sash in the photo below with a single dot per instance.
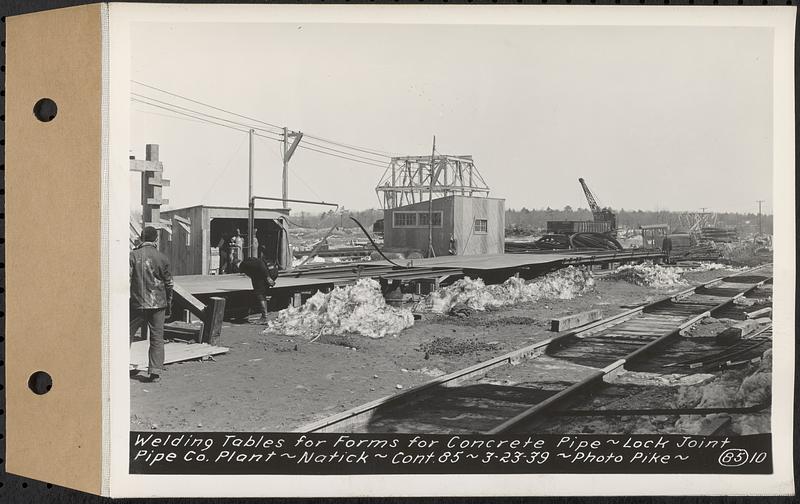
405 219
416 219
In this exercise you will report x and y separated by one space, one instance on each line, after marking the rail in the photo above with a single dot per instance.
362 414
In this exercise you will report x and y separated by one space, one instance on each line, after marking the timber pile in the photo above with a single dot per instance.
574 241
699 252
718 234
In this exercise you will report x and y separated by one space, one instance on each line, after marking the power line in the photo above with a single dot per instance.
344 152
171 107
189 115
365 150
248 126
206 104
301 146
202 119
355 147
342 157
152 112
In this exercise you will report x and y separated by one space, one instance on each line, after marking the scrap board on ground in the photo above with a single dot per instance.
174 351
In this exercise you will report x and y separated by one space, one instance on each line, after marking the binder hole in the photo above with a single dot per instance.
40 383
45 110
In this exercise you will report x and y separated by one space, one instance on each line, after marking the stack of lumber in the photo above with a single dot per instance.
718 234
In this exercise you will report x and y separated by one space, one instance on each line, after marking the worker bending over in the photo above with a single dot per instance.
263 274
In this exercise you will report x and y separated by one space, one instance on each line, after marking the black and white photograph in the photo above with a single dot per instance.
424 246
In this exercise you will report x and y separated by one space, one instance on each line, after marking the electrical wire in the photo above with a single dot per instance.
207 105
189 115
342 157
168 106
300 146
354 147
248 126
151 112
344 152
279 128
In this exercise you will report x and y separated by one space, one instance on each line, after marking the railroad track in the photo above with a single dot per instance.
495 397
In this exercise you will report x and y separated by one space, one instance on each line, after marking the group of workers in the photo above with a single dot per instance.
232 251
151 288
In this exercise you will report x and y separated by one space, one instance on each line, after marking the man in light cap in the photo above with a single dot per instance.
151 296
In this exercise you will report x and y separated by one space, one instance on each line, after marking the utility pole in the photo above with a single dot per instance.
759 216
251 202
288 151
431 252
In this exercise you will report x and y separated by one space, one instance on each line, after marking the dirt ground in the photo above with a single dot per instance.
279 383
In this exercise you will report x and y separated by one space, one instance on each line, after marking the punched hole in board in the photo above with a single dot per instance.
40 383
45 110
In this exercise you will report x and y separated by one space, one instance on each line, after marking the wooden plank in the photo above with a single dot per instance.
763 312
192 303
737 331
140 165
158 181
576 320
173 352
212 323
184 330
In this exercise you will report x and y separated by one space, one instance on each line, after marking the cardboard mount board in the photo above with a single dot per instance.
55 170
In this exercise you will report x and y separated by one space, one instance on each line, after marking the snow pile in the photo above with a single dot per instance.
757 388
730 389
648 274
358 308
566 283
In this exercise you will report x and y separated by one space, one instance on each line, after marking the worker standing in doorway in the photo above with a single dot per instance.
262 274
224 255
237 247
256 251
150 296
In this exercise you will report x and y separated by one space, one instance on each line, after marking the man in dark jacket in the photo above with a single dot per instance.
666 247
262 274
151 296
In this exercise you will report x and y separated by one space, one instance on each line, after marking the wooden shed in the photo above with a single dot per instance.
462 225
197 231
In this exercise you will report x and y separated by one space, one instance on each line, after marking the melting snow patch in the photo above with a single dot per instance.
648 274
730 390
566 283
358 308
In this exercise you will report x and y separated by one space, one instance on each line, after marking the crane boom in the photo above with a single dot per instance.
590 197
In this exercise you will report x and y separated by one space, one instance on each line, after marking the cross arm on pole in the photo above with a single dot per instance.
290 151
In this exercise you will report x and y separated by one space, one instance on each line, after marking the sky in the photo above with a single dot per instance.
654 118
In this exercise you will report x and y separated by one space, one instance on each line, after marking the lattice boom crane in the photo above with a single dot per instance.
600 214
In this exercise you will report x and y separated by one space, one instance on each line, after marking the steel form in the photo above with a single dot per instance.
410 179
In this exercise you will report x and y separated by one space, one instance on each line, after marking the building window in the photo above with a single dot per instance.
481 226
405 219
416 219
436 217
